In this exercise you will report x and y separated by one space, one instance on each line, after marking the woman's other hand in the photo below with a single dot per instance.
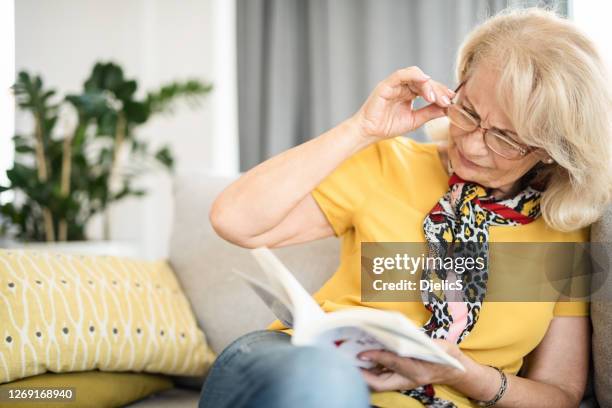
395 373
388 111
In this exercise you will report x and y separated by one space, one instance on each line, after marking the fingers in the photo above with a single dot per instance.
444 95
427 113
387 381
403 366
407 372
410 82
386 358
415 80
408 75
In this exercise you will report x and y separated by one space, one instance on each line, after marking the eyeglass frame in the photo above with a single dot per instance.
523 149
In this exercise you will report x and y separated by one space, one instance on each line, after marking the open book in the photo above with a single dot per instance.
350 331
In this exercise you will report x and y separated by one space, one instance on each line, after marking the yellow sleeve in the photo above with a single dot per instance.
572 308
342 193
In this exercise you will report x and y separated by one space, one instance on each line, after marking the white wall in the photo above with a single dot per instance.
593 17
7 73
155 41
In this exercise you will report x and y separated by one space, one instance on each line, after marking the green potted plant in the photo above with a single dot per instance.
64 175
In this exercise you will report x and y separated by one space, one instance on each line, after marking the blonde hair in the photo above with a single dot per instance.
554 87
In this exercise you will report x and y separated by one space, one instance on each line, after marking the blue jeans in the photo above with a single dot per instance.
263 369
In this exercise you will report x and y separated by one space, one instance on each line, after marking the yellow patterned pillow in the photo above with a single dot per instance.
65 313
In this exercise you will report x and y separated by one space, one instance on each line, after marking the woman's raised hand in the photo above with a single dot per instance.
388 111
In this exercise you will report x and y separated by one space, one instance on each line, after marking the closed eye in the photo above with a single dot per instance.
503 133
509 139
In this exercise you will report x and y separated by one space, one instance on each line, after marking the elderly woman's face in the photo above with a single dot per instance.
471 159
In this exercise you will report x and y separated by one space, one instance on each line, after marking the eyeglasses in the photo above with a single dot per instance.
499 143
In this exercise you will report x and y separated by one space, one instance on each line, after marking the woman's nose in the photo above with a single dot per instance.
474 145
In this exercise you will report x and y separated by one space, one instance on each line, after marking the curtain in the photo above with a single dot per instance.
306 65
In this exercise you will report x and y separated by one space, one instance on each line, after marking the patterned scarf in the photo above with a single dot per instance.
458 226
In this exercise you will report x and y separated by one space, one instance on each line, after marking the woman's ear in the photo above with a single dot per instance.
544 157
547 160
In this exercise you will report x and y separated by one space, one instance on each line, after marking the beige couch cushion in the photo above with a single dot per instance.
601 310
224 305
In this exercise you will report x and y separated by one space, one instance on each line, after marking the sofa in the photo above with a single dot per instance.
226 307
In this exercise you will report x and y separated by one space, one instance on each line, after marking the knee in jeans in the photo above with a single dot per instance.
319 368
246 343
294 376
315 377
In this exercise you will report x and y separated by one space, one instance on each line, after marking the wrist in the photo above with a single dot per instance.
489 385
471 375
357 133
503 386
479 381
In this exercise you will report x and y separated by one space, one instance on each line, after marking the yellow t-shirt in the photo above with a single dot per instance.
382 194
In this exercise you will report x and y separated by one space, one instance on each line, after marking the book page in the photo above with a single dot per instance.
349 329
349 341
277 302
305 309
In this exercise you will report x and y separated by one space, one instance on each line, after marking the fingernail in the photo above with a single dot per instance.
445 100
432 96
450 90
364 358
425 76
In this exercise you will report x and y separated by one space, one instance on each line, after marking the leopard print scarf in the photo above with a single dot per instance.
458 225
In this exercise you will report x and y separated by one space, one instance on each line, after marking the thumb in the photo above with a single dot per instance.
427 113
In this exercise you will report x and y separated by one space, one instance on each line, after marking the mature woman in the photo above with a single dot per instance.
526 159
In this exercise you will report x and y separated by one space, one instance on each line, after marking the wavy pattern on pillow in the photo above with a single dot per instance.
65 313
